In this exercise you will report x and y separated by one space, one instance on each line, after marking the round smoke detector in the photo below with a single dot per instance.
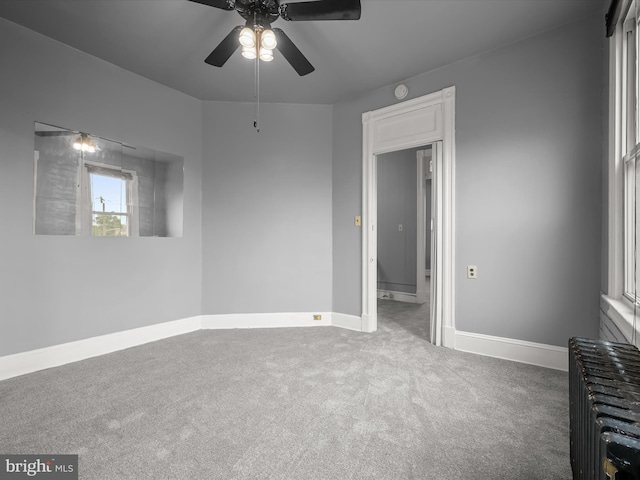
401 91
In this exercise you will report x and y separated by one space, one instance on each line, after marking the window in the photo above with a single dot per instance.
629 135
112 201
622 300
628 118
107 201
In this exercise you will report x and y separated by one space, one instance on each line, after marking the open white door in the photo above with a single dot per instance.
423 158
435 311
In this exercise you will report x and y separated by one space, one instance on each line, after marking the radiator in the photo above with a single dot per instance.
604 410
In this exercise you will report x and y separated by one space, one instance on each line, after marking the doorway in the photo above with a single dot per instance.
404 218
422 121
404 214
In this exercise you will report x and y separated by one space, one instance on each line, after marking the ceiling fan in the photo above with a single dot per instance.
82 142
258 39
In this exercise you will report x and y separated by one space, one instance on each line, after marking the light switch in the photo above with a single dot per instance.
400 227
358 221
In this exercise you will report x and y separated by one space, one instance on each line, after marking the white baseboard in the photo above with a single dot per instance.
397 296
367 324
350 322
56 355
265 320
449 337
549 356
27 362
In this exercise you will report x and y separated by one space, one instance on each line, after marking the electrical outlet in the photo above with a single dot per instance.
317 317
472 271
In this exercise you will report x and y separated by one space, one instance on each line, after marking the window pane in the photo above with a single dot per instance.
633 262
108 194
108 225
629 130
631 88
629 228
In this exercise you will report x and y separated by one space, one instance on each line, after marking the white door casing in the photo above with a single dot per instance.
411 124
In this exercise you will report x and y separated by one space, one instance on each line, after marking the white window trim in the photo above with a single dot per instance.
614 303
621 314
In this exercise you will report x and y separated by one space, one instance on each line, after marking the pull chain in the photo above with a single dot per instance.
256 93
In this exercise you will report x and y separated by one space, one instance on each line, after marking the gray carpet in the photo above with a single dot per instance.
295 403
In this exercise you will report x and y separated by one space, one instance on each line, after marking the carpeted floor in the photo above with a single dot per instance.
294 404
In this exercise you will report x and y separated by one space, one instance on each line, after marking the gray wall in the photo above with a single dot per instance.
275 209
397 205
528 185
267 209
53 288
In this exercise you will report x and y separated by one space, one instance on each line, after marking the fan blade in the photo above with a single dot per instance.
223 52
223 4
321 10
291 53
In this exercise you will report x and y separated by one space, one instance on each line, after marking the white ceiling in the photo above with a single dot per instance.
168 40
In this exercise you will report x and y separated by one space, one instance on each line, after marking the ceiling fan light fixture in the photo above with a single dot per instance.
268 39
249 52
85 144
260 14
266 54
247 38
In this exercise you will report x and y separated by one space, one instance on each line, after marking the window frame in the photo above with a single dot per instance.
628 126
618 303
84 219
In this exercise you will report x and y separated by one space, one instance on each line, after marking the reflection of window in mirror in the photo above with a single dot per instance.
88 185
111 197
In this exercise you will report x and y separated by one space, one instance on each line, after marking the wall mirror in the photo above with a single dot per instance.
89 185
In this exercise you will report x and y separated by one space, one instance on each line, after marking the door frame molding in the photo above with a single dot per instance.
410 124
